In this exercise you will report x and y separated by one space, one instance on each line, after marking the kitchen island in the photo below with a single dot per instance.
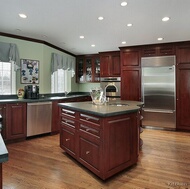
104 138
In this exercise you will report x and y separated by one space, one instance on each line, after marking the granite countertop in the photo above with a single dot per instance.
3 151
42 98
111 108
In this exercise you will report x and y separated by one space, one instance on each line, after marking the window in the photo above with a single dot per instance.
61 81
7 78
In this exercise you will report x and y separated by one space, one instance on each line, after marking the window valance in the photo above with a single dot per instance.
9 52
62 62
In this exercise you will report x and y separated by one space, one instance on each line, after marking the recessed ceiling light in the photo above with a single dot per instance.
81 37
123 4
129 25
92 45
22 15
160 39
123 42
100 18
165 19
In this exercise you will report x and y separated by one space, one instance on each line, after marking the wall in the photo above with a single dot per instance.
41 52
85 87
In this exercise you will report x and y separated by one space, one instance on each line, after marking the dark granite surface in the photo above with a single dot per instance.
3 151
4 99
112 108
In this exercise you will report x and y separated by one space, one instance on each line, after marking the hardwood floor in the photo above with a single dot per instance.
40 163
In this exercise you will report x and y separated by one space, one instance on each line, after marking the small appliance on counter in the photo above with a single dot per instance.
31 92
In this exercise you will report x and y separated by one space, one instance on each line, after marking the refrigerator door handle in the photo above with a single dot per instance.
159 111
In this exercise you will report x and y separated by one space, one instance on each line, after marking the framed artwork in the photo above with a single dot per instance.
29 71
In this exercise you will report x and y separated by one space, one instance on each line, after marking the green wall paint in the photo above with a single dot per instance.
41 52
87 86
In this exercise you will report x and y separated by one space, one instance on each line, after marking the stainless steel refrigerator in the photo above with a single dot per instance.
158 92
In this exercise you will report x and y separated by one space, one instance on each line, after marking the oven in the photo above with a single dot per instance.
111 87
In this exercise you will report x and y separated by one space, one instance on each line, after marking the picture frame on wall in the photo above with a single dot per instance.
29 71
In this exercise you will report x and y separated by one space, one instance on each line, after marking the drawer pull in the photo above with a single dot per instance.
87 152
67 139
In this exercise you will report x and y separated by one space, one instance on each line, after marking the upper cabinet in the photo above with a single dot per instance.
130 57
88 68
110 64
158 50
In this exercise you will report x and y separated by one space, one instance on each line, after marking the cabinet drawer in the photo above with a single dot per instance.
89 118
67 141
68 113
68 122
89 153
89 130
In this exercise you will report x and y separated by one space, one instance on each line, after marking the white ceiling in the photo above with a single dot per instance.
61 22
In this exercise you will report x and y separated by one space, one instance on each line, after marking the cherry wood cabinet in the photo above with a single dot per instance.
3 123
16 121
88 68
158 50
55 128
105 145
68 131
130 74
183 87
110 65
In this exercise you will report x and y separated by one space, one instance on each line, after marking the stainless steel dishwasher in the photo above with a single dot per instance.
39 118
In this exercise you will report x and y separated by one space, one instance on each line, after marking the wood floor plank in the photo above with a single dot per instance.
40 163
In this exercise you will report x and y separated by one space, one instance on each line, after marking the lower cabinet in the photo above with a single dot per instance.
183 96
104 145
130 84
15 121
55 111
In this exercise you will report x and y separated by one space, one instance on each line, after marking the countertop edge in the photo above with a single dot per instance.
119 112
17 100
3 151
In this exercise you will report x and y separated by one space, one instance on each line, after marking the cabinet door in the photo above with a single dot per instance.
116 68
131 84
3 123
183 54
105 65
89 154
130 57
96 69
16 121
88 69
183 95
80 69
67 141
55 118
122 139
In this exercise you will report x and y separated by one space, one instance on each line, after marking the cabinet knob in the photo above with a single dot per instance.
87 152
67 139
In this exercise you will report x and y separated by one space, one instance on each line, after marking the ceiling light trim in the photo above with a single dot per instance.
22 15
165 19
100 18
124 3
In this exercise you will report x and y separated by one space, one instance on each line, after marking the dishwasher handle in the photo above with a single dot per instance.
39 103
